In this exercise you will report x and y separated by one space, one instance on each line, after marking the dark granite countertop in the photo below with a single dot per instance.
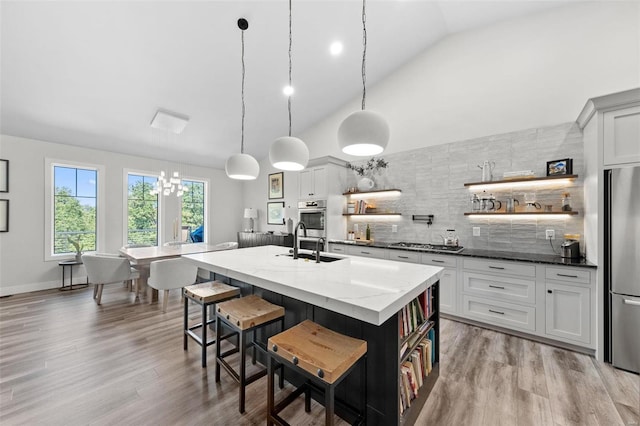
549 259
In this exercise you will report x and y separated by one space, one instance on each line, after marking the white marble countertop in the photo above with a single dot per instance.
370 290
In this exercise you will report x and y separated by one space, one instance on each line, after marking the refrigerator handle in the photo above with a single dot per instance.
632 302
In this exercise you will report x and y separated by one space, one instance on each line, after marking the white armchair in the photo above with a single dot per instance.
171 274
107 269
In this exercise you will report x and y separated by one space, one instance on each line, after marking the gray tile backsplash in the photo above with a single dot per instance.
432 182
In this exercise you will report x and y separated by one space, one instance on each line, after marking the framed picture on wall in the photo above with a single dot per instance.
560 167
4 175
276 185
4 215
275 213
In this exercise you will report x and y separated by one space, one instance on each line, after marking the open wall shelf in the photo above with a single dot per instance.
523 179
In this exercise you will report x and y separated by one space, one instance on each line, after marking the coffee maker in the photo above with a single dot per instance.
570 247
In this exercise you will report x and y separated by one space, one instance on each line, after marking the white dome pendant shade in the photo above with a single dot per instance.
289 153
242 167
363 133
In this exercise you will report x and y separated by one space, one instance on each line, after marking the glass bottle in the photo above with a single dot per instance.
566 202
368 233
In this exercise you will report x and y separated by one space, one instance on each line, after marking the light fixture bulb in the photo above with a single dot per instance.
336 48
242 167
289 153
363 133
288 90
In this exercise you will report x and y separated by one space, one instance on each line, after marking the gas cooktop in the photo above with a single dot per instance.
427 247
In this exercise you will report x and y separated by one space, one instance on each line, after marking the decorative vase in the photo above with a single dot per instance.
366 184
79 257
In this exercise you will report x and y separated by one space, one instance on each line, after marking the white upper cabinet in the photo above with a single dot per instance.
621 136
313 183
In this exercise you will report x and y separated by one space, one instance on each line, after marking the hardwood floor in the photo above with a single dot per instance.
65 360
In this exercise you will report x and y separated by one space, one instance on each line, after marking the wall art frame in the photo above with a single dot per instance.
275 213
276 185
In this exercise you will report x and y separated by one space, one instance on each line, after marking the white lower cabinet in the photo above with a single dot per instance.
448 280
375 252
503 314
337 248
568 312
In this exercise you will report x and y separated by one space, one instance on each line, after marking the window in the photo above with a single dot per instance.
193 213
142 210
75 199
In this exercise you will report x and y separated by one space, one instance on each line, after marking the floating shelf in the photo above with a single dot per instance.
523 179
371 214
570 213
379 192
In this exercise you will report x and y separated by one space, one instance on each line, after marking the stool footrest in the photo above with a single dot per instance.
198 339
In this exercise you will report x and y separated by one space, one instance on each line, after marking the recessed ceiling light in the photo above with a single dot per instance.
288 90
336 48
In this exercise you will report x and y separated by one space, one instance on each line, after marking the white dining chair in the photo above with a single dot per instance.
169 274
108 269
230 245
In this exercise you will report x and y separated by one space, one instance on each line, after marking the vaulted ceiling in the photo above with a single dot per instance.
94 73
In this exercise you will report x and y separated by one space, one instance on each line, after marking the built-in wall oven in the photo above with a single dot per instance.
313 213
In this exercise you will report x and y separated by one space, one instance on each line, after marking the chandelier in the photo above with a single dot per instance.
169 186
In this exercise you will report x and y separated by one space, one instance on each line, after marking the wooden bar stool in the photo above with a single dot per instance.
205 294
243 316
322 356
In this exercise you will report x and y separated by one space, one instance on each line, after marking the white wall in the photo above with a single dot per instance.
22 263
526 73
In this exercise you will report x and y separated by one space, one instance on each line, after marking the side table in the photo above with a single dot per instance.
70 264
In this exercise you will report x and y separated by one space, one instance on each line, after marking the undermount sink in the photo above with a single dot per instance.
310 256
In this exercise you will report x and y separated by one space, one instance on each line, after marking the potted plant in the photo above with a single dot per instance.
78 246
367 170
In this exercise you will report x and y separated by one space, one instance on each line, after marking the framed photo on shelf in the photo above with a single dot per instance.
4 215
4 175
560 167
275 213
276 185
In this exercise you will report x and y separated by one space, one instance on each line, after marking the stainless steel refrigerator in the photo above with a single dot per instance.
622 266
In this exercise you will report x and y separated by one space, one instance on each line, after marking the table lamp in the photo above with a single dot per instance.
250 214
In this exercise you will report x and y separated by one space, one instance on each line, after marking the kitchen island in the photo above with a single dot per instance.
359 297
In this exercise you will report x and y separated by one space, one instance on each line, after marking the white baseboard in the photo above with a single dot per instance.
29 287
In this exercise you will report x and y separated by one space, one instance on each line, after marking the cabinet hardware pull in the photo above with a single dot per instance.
365 252
495 267
631 302
403 257
437 261
496 312
549 291
566 275
496 286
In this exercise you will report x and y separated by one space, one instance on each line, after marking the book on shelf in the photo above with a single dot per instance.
414 370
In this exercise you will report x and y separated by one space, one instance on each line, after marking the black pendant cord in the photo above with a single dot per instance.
243 106
364 53
290 86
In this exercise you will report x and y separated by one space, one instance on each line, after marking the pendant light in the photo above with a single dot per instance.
242 166
287 152
363 133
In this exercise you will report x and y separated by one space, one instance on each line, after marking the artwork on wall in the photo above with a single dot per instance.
4 175
275 213
560 167
4 215
276 185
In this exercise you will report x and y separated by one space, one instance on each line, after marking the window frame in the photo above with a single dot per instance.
49 202
205 181
125 205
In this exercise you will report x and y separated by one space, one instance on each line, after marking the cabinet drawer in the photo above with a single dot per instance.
500 313
439 260
404 256
367 252
574 275
500 267
338 248
502 288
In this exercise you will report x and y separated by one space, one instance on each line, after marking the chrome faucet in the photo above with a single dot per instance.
295 238
318 248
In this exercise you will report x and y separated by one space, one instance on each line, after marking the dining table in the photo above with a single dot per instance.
141 258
